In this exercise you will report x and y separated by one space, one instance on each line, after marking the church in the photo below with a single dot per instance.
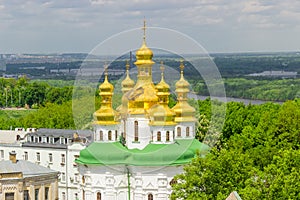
139 147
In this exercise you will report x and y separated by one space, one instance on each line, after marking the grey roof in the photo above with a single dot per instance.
62 132
44 145
28 169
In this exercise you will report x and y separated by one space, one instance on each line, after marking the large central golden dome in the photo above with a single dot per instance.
144 55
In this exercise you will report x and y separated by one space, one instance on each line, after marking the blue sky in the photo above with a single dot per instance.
45 26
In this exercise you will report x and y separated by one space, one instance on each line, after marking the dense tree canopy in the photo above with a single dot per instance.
258 156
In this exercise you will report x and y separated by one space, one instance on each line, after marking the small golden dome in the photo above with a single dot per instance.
162 86
106 87
184 112
182 83
105 115
127 83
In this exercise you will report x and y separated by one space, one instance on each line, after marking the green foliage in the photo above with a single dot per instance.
51 116
258 156
256 89
21 92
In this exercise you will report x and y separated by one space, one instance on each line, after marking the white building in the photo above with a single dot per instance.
55 149
141 146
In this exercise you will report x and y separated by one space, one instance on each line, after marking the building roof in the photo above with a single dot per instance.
86 135
179 153
28 169
10 136
234 196
62 132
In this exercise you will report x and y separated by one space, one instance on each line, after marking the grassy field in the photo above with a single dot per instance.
15 113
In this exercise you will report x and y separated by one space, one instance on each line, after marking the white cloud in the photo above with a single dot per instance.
255 7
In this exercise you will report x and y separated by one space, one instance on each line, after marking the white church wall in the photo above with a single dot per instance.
112 181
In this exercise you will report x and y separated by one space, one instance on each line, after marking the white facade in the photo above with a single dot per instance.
116 182
137 132
59 158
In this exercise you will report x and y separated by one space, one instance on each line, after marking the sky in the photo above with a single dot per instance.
73 26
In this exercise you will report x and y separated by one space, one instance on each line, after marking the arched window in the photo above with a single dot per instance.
136 131
101 136
168 136
178 132
150 196
187 131
98 195
109 135
158 136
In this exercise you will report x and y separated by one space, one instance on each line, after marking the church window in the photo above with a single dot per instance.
101 136
109 135
178 132
158 136
98 195
168 136
136 131
150 196
187 131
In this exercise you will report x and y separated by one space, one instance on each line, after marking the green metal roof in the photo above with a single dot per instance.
178 153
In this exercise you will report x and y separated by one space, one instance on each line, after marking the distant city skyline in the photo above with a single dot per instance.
77 26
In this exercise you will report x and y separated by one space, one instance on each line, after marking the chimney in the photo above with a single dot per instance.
13 156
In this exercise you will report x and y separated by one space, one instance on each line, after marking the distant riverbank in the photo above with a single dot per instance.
231 99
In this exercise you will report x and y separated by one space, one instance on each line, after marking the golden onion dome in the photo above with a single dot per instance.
106 87
105 115
182 83
161 114
127 83
144 55
162 86
184 112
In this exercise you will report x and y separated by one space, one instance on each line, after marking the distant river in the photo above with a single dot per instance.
229 99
